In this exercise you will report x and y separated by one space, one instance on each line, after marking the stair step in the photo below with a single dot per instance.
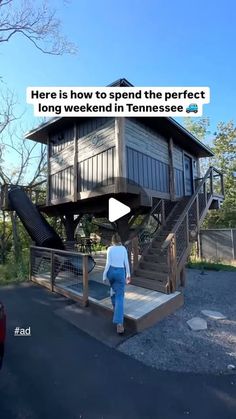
159 239
157 276
149 284
157 244
157 252
155 267
155 259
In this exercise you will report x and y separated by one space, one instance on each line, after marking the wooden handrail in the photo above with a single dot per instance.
53 255
139 228
187 208
214 170
65 252
85 280
189 205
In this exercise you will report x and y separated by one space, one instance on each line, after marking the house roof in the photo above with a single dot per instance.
164 125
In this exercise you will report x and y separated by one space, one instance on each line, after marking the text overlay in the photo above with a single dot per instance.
118 101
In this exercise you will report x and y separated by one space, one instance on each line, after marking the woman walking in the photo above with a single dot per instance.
117 271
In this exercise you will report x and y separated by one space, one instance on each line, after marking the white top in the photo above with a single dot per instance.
117 256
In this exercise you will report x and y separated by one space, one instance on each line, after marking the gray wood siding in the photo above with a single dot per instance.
61 154
178 171
96 170
61 183
143 139
195 174
97 140
61 139
179 182
178 158
90 124
146 171
62 160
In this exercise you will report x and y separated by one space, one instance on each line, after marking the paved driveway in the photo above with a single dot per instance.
61 372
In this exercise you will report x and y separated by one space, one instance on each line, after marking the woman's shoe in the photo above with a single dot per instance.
120 329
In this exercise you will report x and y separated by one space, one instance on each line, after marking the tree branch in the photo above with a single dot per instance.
38 24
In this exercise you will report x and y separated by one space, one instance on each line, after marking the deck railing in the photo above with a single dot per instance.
186 228
36 193
142 237
61 271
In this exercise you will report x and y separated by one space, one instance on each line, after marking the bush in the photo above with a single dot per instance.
12 272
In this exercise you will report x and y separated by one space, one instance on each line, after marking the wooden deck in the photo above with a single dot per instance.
143 308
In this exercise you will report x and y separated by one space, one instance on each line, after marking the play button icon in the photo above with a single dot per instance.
116 209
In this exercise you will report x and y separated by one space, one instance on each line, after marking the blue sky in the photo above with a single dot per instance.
151 43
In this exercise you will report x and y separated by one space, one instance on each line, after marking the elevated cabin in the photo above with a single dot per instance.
150 164
90 158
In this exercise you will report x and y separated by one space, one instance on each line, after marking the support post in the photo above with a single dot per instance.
52 276
172 263
171 169
120 169
199 247
163 215
135 253
75 170
197 211
222 185
205 193
30 263
211 182
48 196
85 280
123 227
187 229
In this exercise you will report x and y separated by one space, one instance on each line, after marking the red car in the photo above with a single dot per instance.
2 331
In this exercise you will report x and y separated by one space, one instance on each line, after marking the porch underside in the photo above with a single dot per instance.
96 204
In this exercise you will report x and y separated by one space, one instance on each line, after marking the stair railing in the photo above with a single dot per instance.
138 240
186 228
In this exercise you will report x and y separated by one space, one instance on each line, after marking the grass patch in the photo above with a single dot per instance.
211 266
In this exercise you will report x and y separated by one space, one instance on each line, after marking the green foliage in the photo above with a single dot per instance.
98 247
12 272
210 266
199 127
224 149
87 225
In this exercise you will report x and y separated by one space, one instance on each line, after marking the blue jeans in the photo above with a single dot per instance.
116 278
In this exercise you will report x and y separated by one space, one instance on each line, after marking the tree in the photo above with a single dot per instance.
198 127
224 149
35 21
29 170
7 113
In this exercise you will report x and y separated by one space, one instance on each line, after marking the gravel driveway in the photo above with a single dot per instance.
171 345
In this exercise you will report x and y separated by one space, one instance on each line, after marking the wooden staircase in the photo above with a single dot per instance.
162 263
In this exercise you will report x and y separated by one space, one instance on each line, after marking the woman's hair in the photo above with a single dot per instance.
116 239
